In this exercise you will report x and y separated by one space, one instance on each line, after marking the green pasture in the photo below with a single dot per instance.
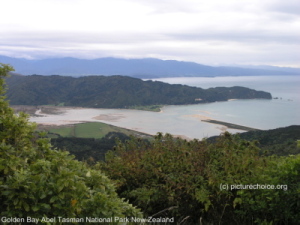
88 130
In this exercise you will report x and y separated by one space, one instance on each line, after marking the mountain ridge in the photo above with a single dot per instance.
140 68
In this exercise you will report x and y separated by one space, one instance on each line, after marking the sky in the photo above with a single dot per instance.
211 32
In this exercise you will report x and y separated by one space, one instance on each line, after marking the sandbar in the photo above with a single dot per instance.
109 117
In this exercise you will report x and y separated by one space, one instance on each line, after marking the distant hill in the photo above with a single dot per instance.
140 68
114 92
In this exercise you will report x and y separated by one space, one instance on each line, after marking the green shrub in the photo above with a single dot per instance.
195 181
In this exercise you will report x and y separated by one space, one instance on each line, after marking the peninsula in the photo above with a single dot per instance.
115 92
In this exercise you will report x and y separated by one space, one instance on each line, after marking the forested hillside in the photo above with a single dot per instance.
280 141
114 92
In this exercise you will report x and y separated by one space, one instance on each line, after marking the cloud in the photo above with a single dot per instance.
211 32
286 7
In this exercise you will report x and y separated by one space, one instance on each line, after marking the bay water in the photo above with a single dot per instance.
187 120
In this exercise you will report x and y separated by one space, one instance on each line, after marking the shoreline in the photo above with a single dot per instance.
72 115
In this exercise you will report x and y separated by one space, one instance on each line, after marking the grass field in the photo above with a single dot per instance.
88 130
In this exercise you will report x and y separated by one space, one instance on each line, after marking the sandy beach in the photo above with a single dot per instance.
200 117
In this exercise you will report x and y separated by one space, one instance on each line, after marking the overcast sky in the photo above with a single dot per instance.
212 32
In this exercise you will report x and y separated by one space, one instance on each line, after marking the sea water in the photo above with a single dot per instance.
257 113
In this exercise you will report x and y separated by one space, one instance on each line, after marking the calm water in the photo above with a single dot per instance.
262 114
186 120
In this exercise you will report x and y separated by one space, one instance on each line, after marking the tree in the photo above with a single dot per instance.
39 181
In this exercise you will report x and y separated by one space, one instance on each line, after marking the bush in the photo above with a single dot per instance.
193 181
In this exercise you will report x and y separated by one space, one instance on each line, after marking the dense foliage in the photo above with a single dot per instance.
89 149
115 92
192 180
39 181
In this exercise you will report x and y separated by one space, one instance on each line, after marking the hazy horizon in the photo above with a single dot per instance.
108 57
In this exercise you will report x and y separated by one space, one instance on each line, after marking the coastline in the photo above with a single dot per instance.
58 116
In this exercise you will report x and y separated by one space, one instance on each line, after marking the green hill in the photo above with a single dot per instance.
281 141
115 92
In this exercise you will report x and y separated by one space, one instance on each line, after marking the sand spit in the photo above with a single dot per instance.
230 125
